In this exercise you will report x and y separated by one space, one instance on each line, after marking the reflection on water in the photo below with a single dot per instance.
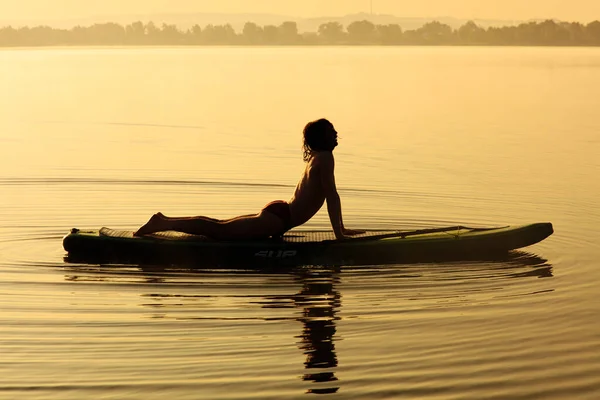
540 266
317 338
187 294
319 302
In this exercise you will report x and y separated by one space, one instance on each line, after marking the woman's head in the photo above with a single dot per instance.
319 135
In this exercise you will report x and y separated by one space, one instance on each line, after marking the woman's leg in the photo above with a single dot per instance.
204 217
184 218
201 225
253 226
243 227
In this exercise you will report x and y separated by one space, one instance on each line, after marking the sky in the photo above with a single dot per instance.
572 10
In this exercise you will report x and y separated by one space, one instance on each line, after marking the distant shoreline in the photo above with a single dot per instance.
358 33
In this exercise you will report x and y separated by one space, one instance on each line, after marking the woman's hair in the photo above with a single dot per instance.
315 138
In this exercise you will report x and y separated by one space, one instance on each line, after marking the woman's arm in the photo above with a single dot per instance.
334 205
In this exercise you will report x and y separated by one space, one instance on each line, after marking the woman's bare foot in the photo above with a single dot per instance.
155 224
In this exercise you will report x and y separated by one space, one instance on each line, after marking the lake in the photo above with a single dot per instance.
429 137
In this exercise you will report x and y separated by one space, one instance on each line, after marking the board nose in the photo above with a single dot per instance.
544 229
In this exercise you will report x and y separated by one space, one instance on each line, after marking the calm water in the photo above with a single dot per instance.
429 137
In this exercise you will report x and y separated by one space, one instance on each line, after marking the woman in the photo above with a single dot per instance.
316 186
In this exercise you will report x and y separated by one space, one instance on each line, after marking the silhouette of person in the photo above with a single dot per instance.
316 186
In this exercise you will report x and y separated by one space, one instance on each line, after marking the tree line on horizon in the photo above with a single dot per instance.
544 33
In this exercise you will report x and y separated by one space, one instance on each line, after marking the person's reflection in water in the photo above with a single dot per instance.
319 302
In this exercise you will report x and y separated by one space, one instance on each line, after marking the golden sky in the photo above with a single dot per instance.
579 10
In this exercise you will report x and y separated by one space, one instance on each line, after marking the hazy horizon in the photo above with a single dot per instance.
41 10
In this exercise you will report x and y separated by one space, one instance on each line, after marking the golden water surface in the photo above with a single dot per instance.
428 137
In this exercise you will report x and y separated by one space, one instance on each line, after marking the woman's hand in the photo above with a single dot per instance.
351 232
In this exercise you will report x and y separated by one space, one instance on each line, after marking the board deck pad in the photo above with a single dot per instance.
290 237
